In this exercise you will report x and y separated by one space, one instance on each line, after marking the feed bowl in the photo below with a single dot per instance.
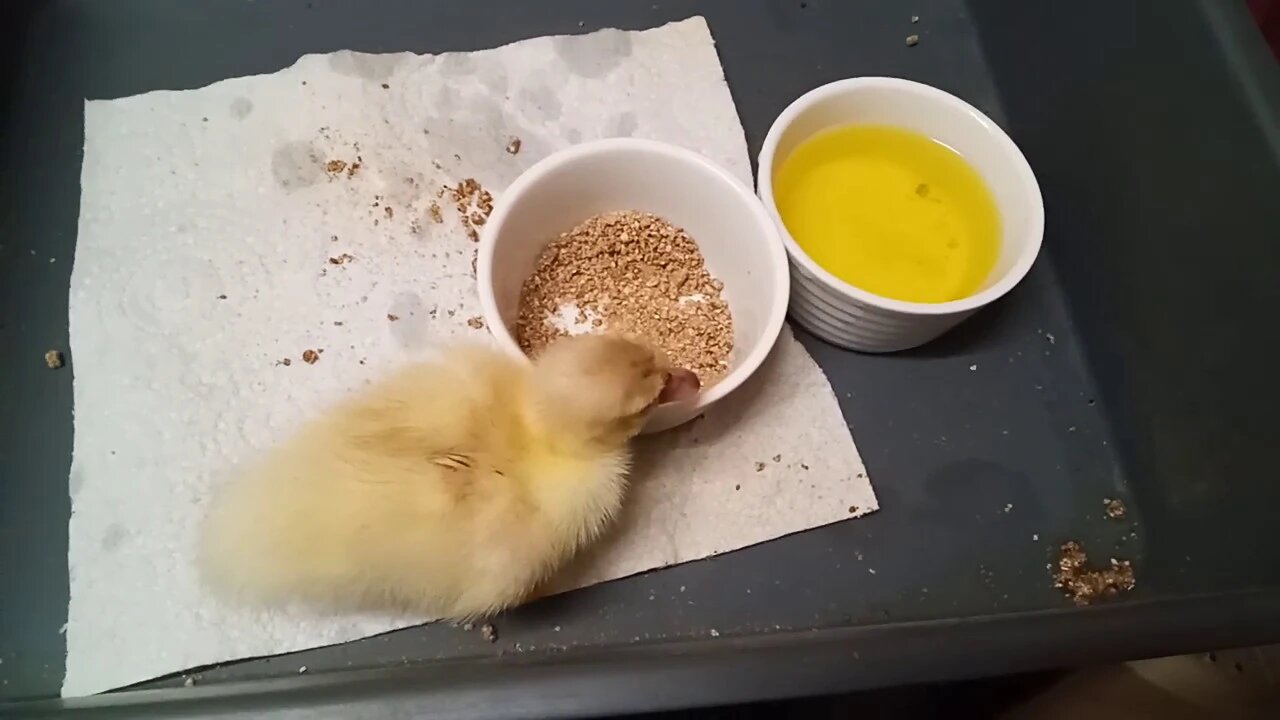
854 318
737 238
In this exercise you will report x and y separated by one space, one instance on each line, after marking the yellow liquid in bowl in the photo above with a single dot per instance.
890 211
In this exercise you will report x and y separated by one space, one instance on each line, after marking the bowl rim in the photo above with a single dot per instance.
1021 168
781 278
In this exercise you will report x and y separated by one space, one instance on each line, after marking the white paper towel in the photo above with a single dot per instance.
217 240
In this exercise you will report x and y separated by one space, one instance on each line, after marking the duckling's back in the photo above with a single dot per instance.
430 491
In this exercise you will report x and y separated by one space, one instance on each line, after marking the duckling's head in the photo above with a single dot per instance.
604 386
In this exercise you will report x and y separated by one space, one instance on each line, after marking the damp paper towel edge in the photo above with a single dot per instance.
213 245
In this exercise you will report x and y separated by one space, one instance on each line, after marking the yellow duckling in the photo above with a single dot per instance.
452 488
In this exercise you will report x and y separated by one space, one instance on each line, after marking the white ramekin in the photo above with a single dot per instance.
738 239
854 318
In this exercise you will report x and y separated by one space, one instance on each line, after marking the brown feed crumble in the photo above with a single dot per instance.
631 273
1084 585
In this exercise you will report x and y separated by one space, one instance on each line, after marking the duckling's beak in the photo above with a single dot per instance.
681 385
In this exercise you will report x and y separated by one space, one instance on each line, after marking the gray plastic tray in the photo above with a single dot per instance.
1132 363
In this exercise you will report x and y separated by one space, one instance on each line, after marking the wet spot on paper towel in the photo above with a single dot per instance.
487 113
494 83
114 536
626 125
445 101
75 481
241 107
364 65
411 330
594 55
456 64
296 164
158 296
540 103
481 125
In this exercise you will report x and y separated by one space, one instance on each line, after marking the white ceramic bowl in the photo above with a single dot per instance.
738 239
854 318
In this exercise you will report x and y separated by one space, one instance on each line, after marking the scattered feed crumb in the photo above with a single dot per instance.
222 297
335 167
513 147
338 323
333 238
53 358
973 367
392 317
912 40
353 168
1050 338
915 19
310 356
468 626
1083 585
386 86
285 362
777 458
760 467
489 632
803 466
342 259
714 632
434 209
390 213
853 509
473 203
1035 536
302 669
1115 508
188 681
737 487
475 322
631 273
1008 507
